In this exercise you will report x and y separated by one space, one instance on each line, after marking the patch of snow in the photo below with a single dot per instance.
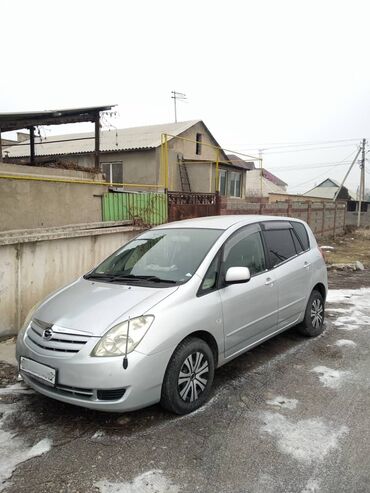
329 377
98 434
345 342
149 482
13 450
283 402
312 486
327 247
355 307
17 388
307 440
350 296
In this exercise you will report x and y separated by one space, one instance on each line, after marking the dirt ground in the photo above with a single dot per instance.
349 248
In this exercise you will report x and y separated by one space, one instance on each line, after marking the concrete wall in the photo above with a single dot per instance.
351 219
324 219
28 203
36 263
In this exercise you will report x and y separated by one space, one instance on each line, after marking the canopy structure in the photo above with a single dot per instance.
29 120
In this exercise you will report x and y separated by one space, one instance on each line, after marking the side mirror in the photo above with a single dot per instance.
235 275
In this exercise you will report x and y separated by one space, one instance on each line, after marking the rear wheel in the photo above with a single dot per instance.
189 376
313 323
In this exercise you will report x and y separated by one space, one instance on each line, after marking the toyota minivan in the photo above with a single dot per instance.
154 320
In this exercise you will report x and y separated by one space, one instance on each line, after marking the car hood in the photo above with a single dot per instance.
93 306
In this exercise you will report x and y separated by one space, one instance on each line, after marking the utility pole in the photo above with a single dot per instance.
361 194
348 171
260 157
177 96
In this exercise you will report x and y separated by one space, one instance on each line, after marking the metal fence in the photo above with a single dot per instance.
147 208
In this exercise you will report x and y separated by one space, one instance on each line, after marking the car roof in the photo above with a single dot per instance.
223 222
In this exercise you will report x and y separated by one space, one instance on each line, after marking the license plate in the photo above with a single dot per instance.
43 372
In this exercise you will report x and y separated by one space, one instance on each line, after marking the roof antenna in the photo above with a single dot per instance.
125 360
177 96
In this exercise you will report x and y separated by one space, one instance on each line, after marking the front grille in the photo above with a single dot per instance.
67 341
80 393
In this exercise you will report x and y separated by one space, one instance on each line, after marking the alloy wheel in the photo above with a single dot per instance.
193 376
317 312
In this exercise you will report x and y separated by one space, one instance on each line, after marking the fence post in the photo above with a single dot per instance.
218 203
309 213
335 220
289 211
323 217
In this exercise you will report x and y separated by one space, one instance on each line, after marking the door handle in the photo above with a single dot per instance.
269 282
307 265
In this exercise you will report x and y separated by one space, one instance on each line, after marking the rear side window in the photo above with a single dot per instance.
280 245
301 232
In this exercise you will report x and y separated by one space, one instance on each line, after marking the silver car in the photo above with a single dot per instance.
154 320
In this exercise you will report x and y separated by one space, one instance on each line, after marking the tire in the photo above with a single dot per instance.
189 375
313 322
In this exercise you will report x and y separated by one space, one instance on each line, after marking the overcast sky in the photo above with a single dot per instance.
257 72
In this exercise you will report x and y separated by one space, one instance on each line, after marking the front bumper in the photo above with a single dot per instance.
100 383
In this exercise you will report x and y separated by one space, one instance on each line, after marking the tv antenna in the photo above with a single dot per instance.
177 96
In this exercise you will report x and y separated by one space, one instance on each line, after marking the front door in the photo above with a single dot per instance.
250 309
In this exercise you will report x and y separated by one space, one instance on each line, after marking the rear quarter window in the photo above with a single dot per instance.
302 234
280 245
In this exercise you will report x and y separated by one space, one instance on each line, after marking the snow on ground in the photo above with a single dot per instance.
307 440
283 402
13 450
149 482
17 388
345 342
329 377
355 305
312 486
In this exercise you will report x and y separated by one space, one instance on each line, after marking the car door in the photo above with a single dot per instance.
291 269
249 308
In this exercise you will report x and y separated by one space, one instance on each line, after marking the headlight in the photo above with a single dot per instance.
122 336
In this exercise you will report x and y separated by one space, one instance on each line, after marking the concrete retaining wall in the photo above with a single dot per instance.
34 263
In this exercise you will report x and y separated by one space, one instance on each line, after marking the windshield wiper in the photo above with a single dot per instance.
132 277
129 277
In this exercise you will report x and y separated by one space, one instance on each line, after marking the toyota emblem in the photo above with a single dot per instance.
47 334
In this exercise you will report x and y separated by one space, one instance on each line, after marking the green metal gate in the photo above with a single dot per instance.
148 208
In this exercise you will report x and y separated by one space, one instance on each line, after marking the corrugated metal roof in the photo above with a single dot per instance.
328 192
124 139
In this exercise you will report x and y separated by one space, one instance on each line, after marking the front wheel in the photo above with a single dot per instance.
313 322
189 376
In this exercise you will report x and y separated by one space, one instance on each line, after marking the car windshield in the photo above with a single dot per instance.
169 256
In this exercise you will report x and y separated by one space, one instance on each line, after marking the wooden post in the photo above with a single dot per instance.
97 142
289 211
335 220
1 148
32 145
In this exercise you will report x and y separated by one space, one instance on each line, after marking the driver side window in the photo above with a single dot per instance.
245 250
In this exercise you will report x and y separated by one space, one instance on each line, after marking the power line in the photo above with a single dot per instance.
278 145
322 174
